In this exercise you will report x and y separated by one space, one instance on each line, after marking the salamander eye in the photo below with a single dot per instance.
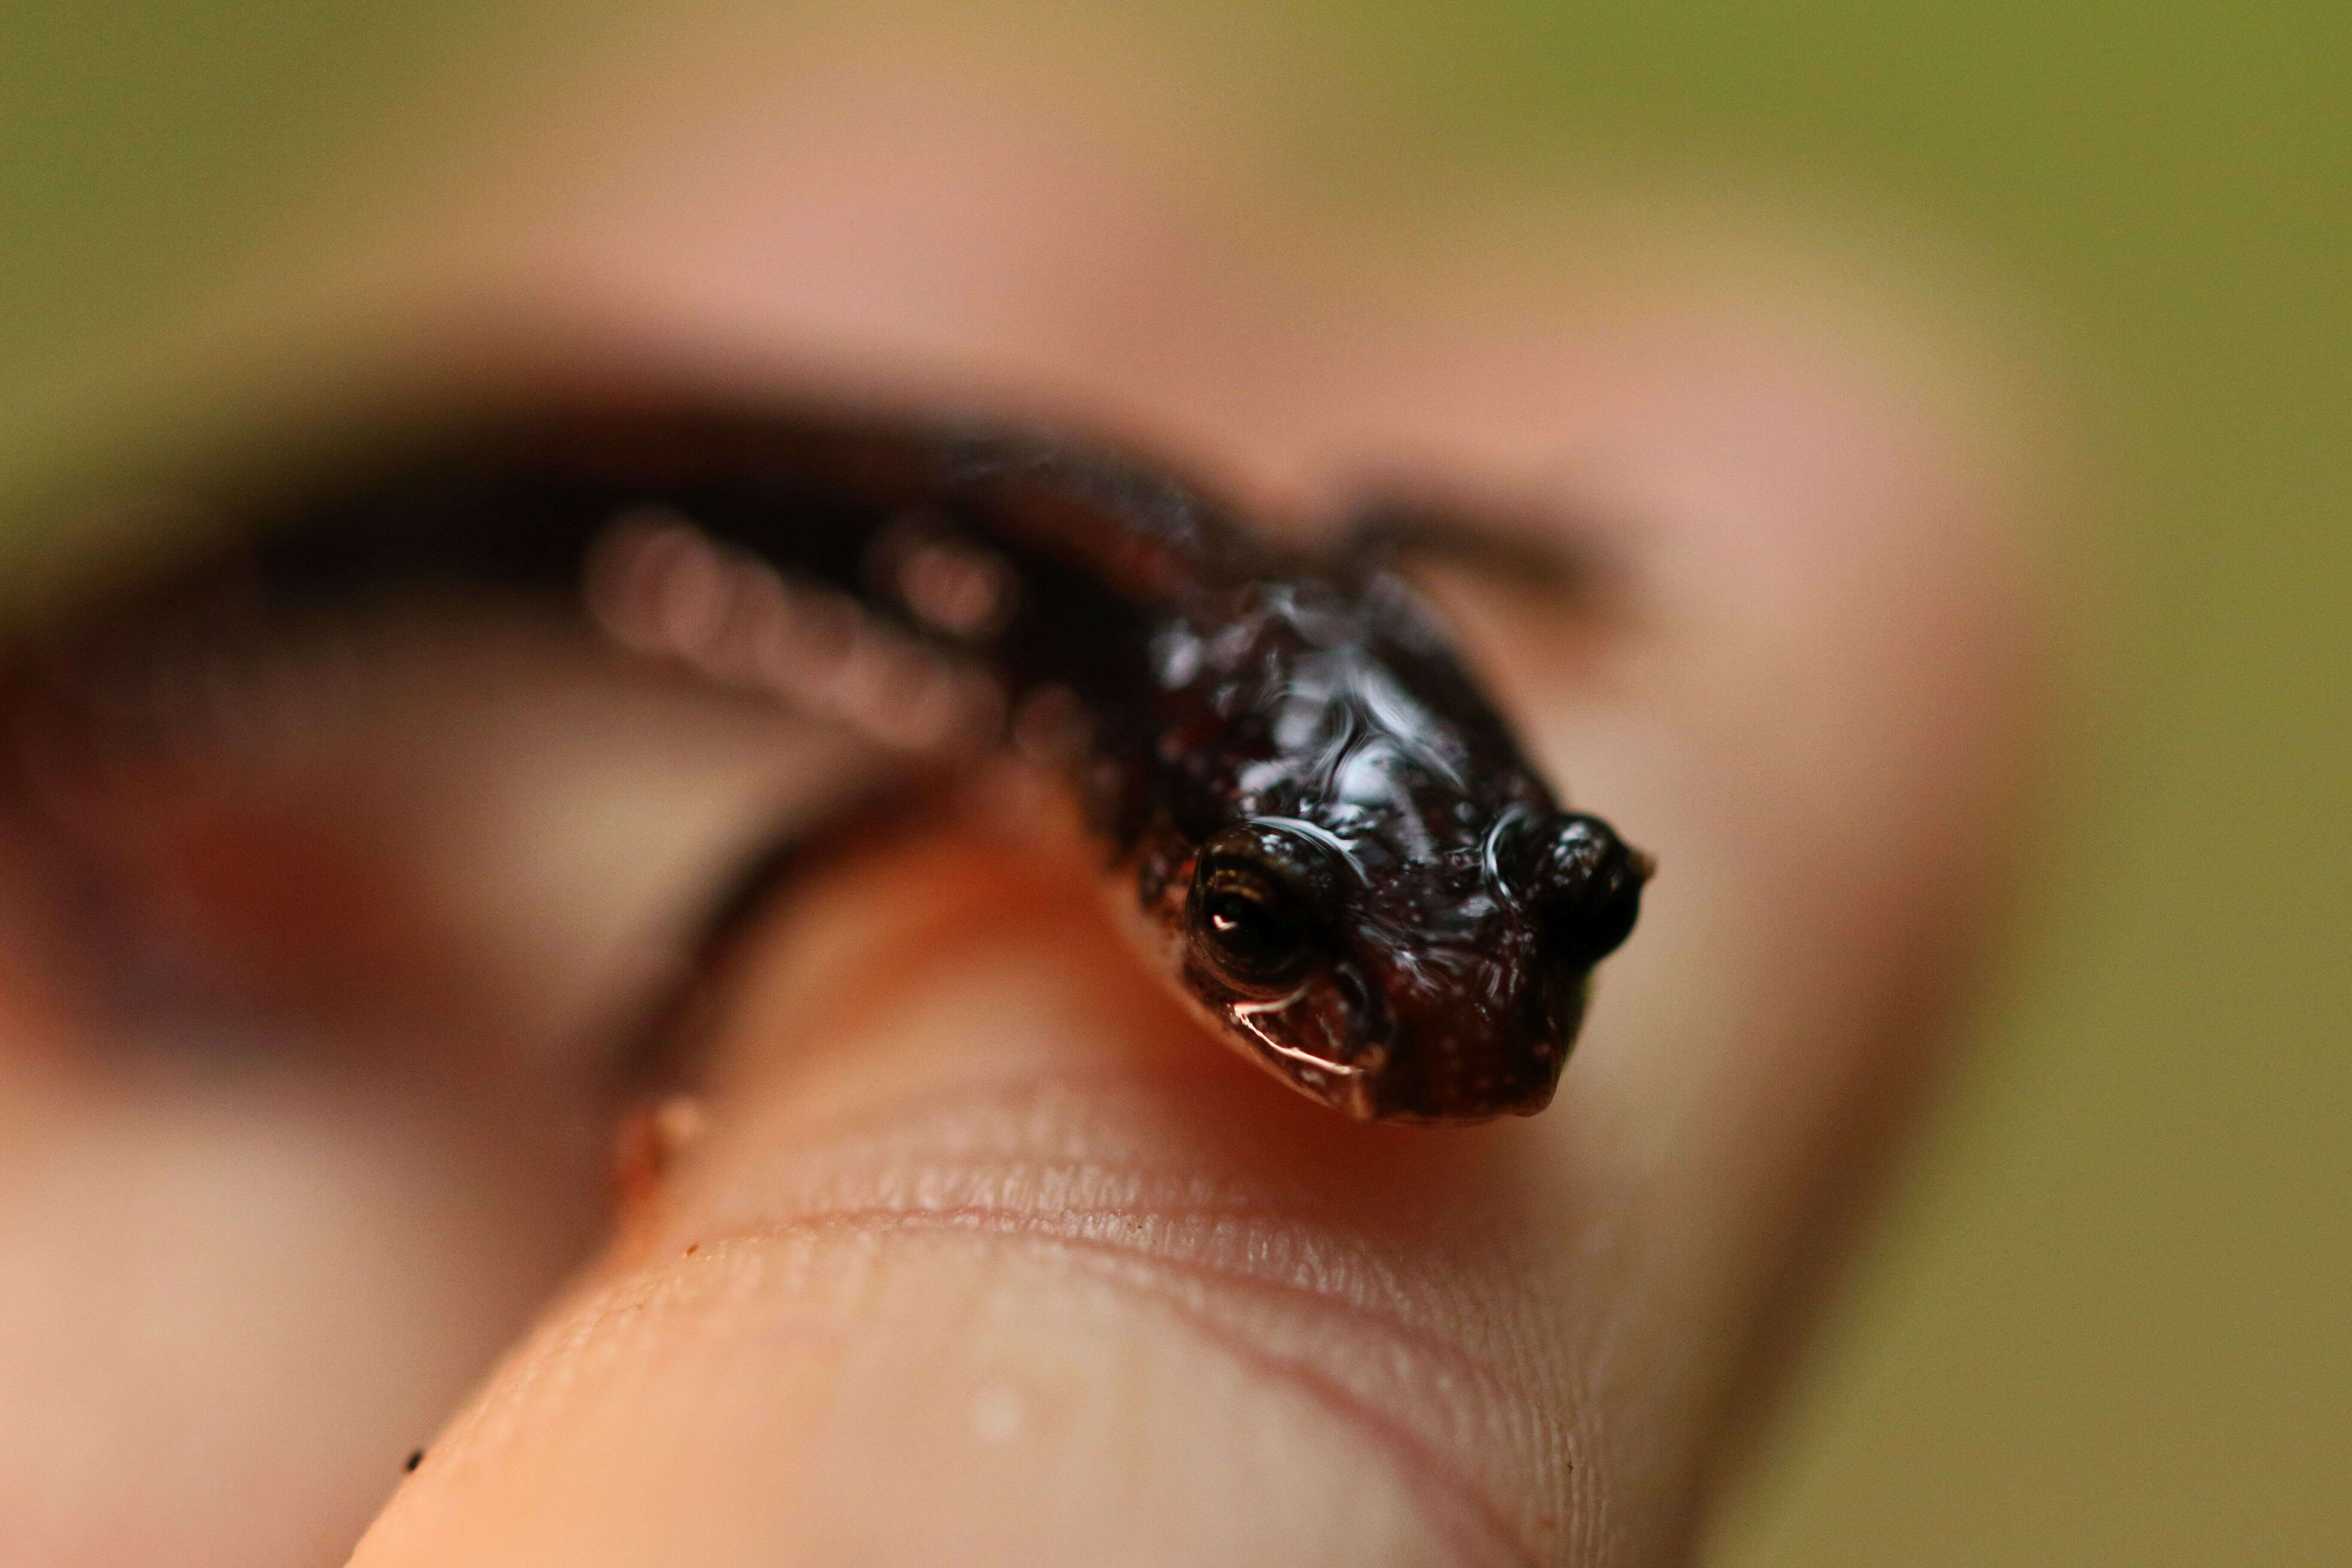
1588 889
1256 917
1260 934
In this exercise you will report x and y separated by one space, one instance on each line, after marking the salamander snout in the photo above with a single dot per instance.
1367 994
1478 1021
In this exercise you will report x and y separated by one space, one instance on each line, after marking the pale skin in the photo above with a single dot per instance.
983 1251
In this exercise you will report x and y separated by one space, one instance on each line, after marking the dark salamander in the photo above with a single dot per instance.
1328 838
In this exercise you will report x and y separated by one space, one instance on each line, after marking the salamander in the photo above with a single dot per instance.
1313 818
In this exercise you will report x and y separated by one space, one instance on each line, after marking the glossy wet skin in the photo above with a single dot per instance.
1339 852
1355 872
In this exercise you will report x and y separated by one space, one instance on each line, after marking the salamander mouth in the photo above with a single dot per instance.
1346 1086
1393 1082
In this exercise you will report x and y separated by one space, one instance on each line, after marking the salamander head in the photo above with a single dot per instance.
1445 991
1344 859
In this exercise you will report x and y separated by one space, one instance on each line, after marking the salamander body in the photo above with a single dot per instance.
1314 820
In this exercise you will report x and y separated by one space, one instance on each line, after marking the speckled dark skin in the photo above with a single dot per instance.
1328 838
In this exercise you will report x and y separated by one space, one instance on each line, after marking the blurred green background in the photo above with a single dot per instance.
2109 1319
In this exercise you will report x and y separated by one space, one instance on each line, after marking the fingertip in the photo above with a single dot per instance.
991 1253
